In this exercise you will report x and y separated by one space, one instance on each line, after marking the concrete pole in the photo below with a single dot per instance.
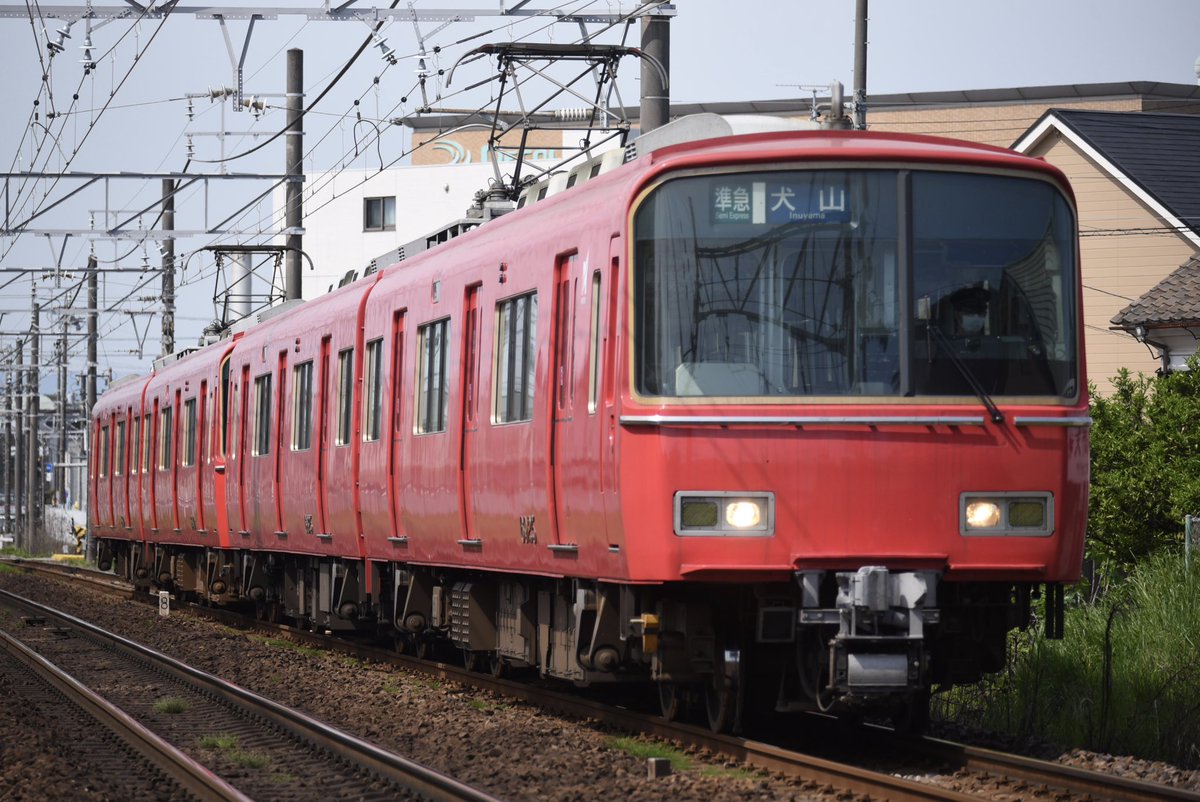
10 495
18 496
168 267
60 471
241 287
860 65
93 302
295 174
33 482
656 99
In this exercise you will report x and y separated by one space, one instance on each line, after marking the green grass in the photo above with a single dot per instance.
250 760
5 568
218 741
170 705
392 688
735 773
1125 679
13 551
283 643
644 749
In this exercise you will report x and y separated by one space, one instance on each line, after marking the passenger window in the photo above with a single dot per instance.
302 395
189 432
165 434
345 395
373 390
262 415
432 392
516 357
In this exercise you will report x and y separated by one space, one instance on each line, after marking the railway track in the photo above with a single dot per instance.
269 751
1005 773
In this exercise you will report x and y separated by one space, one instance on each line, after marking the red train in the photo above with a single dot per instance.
788 420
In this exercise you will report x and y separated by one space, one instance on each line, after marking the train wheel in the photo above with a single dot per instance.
720 702
671 700
472 660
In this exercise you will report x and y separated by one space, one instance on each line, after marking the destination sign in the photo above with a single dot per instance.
775 202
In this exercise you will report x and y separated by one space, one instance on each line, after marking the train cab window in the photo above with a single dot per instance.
373 390
345 396
516 358
119 467
189 432
104 451
262 415
166 433
302 397
433 395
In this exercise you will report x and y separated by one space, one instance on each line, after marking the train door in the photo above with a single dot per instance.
222 452
607 398
562 387
470 411
323 434
243 455
396 424
200 460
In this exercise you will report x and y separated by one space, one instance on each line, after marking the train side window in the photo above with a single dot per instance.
432 392
302 398
136 462
119 468
516 358
147 433
165 433
373 390
262 415
189 432
225 405
345 396
397 371
104 450
594 347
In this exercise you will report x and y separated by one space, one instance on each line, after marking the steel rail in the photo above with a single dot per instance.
1099 785
190 775
756 754
403 772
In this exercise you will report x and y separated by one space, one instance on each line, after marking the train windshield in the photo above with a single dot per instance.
801 283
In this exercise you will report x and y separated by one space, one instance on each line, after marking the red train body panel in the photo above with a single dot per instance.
538 410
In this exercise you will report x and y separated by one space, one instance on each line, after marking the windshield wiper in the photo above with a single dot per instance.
966 372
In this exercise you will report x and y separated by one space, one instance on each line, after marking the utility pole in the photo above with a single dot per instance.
10 496
19 462
168 267
92 302
60 461
32 482
656 96
294 153
860 65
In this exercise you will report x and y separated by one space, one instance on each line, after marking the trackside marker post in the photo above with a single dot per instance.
164 603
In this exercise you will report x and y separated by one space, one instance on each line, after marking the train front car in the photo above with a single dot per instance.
854 447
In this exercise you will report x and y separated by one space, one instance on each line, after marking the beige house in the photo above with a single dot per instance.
1137 184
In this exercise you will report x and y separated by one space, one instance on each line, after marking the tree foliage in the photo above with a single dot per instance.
1145 466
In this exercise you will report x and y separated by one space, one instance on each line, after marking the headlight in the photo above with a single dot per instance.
983 515
724 513
742 514
1006 514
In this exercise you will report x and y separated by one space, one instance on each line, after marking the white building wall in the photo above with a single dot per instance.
427 197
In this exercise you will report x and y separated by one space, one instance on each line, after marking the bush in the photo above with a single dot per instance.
1145 467
1123 680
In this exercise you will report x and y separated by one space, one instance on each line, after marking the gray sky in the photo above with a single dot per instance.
720 51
